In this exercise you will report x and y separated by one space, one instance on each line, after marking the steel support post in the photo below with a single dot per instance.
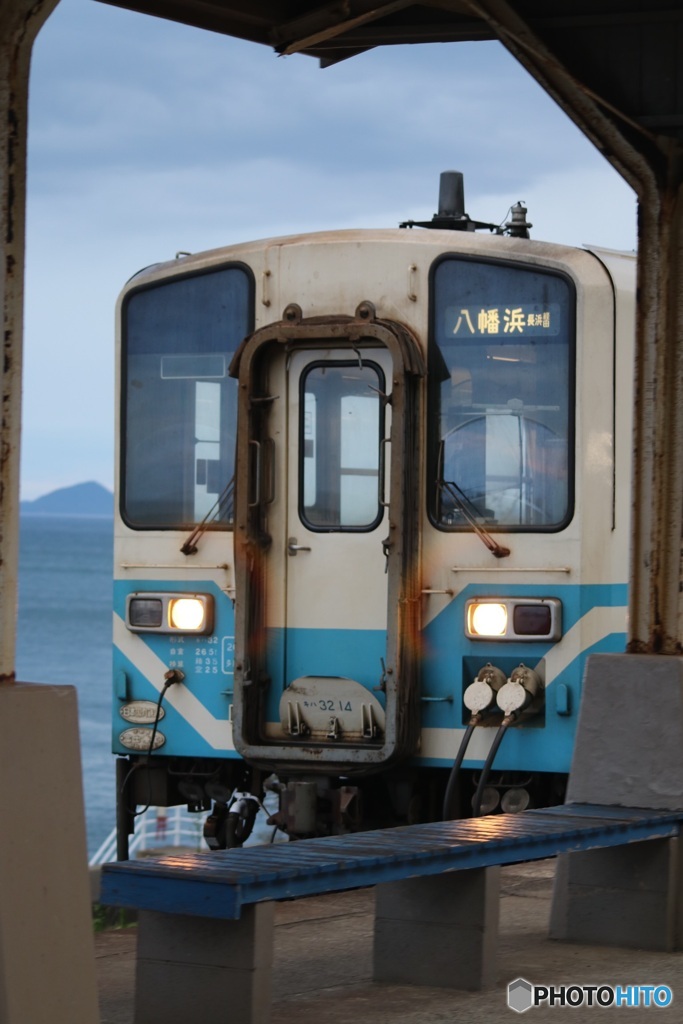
47 962
653 166
20 21
656 591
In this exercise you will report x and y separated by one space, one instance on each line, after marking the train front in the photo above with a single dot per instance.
377 474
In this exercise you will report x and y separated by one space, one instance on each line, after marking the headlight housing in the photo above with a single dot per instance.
513 618
180 613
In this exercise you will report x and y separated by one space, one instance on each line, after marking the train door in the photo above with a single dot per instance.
327 545
335 594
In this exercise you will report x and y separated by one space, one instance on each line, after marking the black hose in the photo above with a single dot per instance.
488 764
171 677
447 812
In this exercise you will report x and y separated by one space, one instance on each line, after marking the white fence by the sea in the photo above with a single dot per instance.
158 828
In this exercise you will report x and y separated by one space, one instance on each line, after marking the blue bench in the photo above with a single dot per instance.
206 919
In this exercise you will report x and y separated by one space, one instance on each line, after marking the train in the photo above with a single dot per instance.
372 516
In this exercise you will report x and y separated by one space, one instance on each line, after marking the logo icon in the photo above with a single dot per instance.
520 995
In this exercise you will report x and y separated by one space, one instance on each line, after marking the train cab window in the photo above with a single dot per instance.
342 421
501 396
179 406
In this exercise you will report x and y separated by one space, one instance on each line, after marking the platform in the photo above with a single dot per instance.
323 965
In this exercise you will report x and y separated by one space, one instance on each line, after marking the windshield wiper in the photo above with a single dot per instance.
222 507
472 515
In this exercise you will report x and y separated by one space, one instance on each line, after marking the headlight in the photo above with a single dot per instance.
188 614
488 619
514 618
169 613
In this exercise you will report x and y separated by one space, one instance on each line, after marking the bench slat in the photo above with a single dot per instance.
218 884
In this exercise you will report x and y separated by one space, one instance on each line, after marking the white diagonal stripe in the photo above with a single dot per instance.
216 731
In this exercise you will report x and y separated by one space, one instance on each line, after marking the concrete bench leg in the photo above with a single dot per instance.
440 931
194 969
625 896
627 754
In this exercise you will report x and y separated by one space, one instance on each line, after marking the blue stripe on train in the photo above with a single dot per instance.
451 661
542 745
207 663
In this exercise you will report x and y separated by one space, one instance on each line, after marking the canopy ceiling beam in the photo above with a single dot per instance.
324 23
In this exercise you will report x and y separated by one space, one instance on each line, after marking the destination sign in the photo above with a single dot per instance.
504 321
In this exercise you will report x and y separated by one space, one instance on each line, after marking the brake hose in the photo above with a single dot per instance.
478 698
447 812
174 675
488 764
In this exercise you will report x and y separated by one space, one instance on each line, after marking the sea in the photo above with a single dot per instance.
65 636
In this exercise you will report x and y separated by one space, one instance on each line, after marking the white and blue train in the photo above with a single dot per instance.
372 517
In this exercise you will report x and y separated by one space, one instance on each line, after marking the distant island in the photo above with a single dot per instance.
89 499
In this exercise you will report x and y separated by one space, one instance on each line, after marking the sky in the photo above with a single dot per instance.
147 138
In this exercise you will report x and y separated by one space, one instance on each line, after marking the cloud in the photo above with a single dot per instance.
148 137
160 94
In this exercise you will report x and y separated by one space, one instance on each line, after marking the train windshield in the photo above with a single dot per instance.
501 368
179 406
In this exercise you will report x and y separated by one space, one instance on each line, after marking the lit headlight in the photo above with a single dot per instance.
487 619
169 613
188 614
516 618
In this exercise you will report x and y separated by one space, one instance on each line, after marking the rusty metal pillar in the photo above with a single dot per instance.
47 957
653 165
20 21
656 592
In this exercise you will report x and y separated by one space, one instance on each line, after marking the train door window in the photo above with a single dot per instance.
342 424
501 397
179 406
